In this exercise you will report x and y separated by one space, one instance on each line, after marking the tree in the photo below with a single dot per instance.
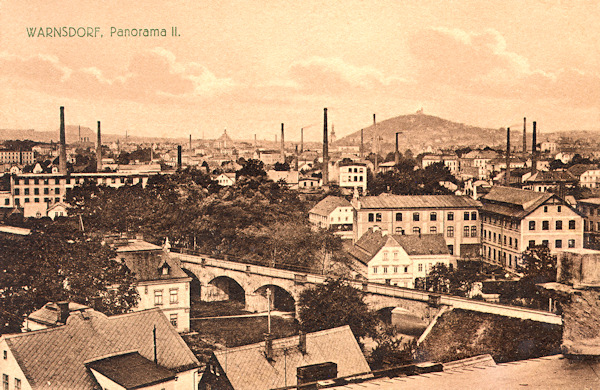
456 281
332 304
57 262
392 350
252 168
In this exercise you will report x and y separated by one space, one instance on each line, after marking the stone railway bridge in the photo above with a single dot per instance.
248 283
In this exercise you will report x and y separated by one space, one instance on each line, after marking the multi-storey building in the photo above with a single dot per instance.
21 157
514 220
456 217
590 209
353 175
332 212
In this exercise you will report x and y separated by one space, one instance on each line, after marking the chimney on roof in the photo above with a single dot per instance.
63 311
302 342
99 150
507 176
97 303
282 145
524 137
534 149
268 347
178 156
325 169
62 155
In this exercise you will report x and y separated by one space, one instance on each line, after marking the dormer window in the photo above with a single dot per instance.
164 270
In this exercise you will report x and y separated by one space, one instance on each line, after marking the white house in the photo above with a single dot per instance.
226 179
399 259
332 212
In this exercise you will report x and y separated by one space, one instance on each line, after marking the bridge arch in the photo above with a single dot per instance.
224 288
281 299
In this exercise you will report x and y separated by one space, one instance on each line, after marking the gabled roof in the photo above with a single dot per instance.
368 245
247 368
551 176
579 169
387 201
54 358
513 202
49 314
147 266
131 370
422 244
329 204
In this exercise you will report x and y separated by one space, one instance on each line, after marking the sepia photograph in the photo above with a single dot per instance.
277 195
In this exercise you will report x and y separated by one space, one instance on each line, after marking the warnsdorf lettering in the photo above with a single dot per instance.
65 31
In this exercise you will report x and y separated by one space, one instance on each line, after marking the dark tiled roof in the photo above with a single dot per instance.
131 370
422 244
386 201
510 196
147 265
248 369
330 203
371 242
579 169
551 176
54 358
49 314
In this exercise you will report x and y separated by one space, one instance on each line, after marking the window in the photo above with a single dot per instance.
466 231
385 270
371 217
420 267
395 269
385 255
558 225
473 231
416 230
531 225
378 217
545 209
450 216
433 230
26 200
56 181
558 244
173 295
399 230
545 225
173 319
36 200
26 191
450 231
405 270
559 209
374 270
572 224
57 191
451 249
36 191
466 216
158 297
571 243
433 216
416 217
516 243
531 243
17 191
5 354
46 191
398 217
4 382
545 242
473 216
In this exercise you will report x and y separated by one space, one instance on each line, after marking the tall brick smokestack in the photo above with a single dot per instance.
362 143
397 151
190 142
524 137
302 140
296 160
534 149
376 141
178 156
99 150
62 154
325 150
282 145
507 176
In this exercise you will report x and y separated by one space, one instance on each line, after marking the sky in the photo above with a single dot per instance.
248 66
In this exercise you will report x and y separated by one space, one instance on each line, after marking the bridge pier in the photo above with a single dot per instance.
257 302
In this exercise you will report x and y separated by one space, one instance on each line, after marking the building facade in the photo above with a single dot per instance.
456 217
514 220
20 157
333 212
590 210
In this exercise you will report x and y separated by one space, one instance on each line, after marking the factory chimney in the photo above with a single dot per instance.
302 140
179 157
325 169
362 140
255 143
524 137
376 142
62 155
282 145
397 152
534 149
99 151
507 176
296 160
190 142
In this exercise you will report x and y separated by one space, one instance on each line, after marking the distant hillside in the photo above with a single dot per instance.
420 131
72 134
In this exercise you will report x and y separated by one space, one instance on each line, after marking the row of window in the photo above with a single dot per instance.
590 225
468 231
558 225
35 200
36 191
173 296
505 223
416 216
6 383
498 255
356 178
108 180
557 243
395 269
509 241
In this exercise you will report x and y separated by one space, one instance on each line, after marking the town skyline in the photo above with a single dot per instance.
249 68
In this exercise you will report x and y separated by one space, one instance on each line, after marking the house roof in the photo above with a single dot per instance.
549 372
387 201
248 369
131 370
329 204
551 176
422 244
136 246
147 265
54 358
513 202
49 314
579 169
368 245
595 201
